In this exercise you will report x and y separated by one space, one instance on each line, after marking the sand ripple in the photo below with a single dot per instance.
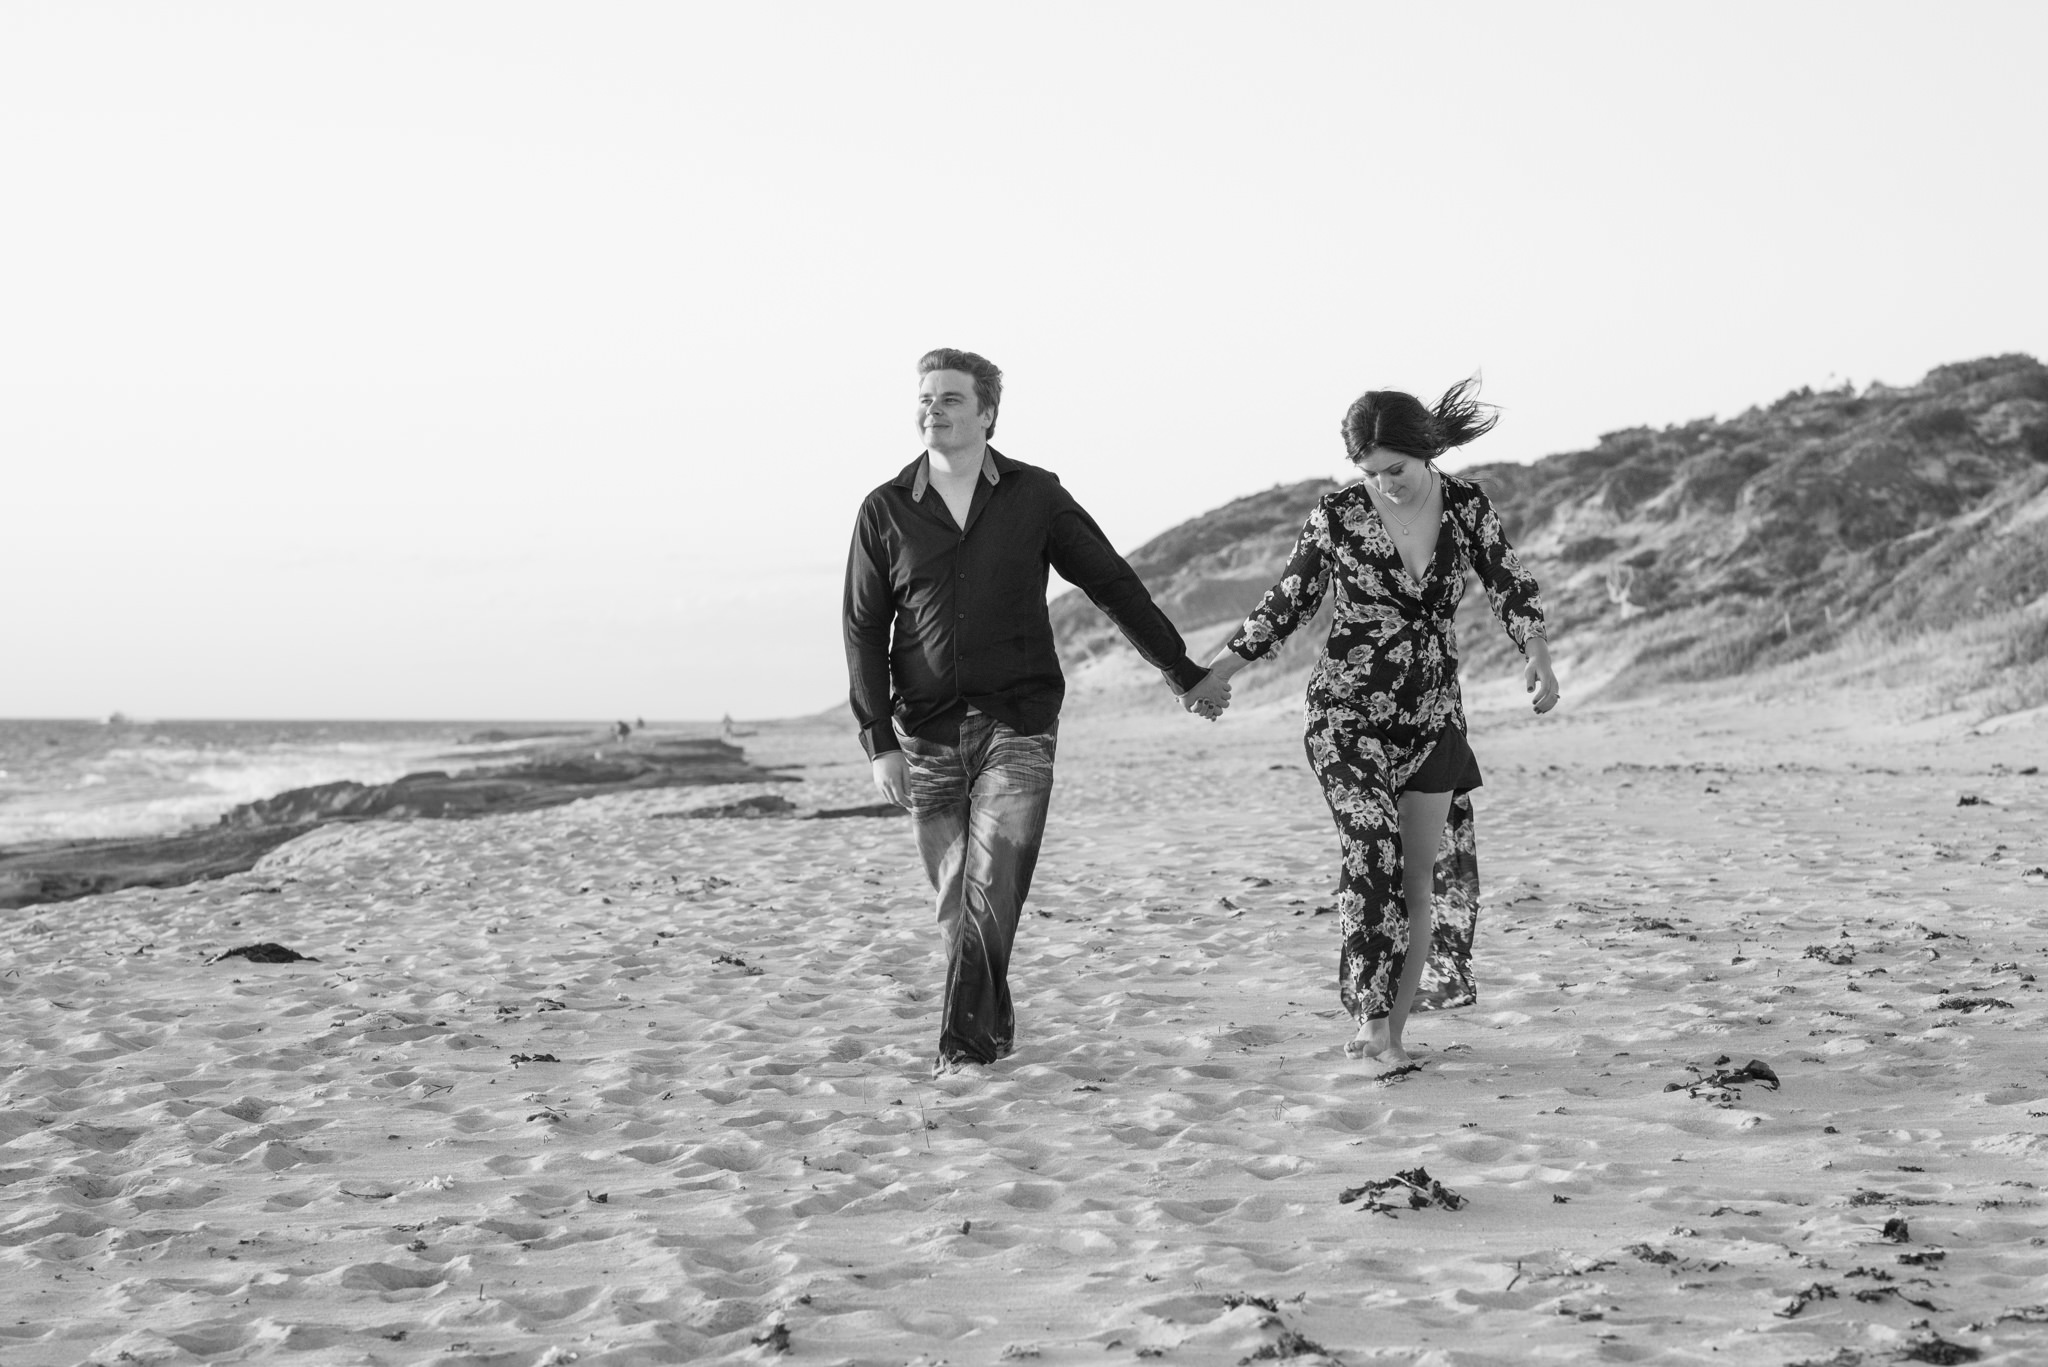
592 1081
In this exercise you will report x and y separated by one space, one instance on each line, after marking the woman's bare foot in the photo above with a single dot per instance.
1392 1059
1371 1041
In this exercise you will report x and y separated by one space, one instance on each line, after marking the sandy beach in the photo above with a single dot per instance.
607 1084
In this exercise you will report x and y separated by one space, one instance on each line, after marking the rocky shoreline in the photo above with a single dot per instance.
554 771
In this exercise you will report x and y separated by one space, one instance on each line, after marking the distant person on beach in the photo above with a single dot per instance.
1386 724
955 685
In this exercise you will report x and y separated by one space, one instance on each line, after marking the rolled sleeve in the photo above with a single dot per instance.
869 612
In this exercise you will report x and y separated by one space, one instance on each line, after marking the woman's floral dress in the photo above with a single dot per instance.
1383 691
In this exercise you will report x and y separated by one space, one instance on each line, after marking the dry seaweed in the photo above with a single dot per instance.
1726 1080
1411 1190
265 952
1799 1300
1290 1344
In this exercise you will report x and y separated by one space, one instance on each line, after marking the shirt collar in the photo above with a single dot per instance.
922 480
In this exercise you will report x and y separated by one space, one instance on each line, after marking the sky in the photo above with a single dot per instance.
512 360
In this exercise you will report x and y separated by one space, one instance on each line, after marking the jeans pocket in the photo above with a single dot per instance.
1023 764
938 779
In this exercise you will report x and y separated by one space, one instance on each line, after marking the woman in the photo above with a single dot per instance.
1386 727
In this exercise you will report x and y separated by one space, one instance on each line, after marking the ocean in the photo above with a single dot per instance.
68 780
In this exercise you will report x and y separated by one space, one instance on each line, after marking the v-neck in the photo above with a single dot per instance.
984 489
1436 543
960 524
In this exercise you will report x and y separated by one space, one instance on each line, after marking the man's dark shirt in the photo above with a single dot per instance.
956 618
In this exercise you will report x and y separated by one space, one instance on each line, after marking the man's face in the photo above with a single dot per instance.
947 417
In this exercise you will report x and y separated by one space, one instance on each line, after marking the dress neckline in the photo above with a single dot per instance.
1435 544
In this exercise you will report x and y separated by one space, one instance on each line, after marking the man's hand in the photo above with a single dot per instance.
1208 698
892 776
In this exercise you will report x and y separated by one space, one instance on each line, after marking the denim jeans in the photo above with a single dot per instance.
979 810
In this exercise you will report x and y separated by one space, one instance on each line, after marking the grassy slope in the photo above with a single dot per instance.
1896 536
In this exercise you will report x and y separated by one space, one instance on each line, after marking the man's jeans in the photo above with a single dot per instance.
979 808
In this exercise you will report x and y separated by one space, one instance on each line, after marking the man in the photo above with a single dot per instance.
955 684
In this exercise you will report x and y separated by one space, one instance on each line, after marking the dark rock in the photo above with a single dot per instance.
82 868
768 804
546 779
547 776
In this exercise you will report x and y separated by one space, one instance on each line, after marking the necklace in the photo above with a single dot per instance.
1381 502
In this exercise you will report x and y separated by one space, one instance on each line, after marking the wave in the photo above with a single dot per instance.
84 780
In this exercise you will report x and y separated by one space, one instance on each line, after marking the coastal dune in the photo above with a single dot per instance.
1754 1076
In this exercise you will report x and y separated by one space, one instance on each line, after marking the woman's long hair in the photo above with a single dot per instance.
1401 422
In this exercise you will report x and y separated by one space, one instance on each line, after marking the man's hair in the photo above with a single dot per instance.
988 381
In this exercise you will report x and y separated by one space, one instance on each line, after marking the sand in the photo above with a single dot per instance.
605 1085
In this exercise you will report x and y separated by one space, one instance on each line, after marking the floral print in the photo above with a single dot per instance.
1383 691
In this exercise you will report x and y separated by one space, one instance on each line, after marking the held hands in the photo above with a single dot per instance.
1209 698
891 772
1538 680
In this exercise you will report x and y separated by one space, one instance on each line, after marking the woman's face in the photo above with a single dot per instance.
1398 477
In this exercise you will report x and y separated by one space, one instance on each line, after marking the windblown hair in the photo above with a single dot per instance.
988 380
1389 419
